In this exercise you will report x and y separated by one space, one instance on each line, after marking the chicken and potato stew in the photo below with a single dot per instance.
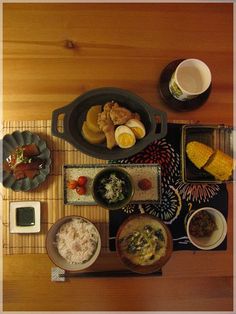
113 124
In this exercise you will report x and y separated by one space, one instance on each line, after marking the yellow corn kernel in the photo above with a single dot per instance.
220 165
198 153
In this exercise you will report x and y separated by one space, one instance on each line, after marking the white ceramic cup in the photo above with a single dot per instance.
191 78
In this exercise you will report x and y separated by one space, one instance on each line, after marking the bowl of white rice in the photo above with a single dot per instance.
73 243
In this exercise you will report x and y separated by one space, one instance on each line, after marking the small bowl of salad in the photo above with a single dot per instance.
112 188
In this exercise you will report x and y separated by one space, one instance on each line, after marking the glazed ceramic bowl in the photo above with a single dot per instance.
74 114
99 192
216 237
57 258
134 237
17 139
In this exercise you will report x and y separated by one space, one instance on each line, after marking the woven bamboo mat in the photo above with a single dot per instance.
49 193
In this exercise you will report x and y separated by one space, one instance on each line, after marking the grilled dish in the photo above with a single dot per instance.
199 153
220 165
216 162
24 162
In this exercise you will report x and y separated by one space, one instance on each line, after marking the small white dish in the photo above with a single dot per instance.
18 211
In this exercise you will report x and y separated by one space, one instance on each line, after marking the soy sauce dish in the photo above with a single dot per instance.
112 188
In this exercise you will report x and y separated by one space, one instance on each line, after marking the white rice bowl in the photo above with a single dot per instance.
77 240
73 243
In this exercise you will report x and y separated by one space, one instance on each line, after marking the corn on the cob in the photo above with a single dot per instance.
198 153
216 162
220 165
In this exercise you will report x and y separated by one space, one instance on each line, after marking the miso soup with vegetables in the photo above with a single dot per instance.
143 242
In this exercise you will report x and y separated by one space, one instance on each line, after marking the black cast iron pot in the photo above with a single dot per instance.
75 115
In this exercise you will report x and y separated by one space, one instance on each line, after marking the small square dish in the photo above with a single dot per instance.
217 137
24 217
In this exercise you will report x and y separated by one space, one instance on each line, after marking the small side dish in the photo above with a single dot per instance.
206 228
202 225
112 188
25 217
143 243
145 184
73 243
79 185
24 162
217 163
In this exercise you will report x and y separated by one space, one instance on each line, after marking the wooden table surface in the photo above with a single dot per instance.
55 52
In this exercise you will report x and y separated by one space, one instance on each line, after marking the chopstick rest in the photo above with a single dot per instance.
57 274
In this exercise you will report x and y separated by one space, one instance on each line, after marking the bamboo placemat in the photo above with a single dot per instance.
49 193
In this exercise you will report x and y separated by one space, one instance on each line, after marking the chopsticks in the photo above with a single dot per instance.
59 274
109 273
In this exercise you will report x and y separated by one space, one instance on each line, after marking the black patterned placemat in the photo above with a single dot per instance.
177 197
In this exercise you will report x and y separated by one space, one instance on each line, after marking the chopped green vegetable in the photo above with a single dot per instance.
112 188
144 243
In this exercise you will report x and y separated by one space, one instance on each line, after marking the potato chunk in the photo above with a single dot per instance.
92 118
92 137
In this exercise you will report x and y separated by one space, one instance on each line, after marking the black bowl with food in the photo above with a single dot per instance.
75 114
112 188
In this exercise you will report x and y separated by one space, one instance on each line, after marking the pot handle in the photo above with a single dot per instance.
163 119
55 114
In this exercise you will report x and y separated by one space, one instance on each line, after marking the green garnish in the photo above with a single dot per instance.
20 156
144 243
112 188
